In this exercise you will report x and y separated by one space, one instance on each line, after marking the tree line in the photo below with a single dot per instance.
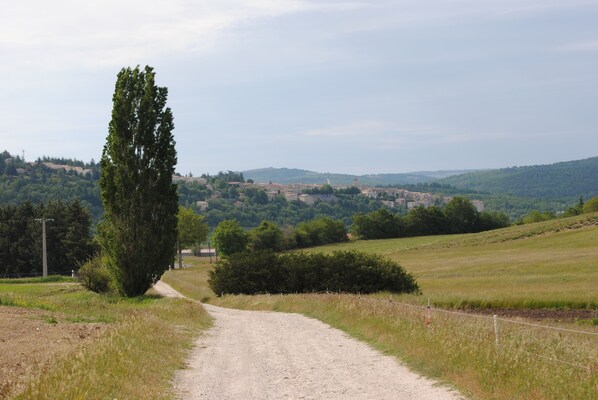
458 216
230 238
580 208
68 238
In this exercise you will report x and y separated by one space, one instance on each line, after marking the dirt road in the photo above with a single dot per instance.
267 355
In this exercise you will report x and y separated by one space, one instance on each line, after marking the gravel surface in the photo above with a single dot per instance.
271 355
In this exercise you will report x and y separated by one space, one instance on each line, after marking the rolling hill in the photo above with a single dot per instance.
560 181
293 175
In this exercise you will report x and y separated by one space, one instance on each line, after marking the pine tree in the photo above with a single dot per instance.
139 229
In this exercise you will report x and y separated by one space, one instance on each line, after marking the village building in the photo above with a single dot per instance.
202 205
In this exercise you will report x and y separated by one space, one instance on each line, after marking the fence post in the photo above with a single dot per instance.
496 329
428 315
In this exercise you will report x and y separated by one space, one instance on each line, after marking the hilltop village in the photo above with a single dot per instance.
312 194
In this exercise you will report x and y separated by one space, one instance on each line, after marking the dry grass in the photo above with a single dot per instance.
192 280
148 341
529 363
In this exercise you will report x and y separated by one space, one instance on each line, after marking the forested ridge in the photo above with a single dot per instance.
564 181
35 182
514 191
293 175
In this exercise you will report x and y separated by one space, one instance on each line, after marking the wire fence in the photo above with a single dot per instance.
535 340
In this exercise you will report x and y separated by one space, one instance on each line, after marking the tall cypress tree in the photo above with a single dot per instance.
139 229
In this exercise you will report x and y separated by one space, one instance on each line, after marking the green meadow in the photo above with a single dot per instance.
552 264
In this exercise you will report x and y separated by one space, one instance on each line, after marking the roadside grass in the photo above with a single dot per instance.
147 341
192 281
528 363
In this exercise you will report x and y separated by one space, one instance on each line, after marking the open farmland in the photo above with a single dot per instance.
551 264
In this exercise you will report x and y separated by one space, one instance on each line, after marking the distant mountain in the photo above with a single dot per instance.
290 175
560 181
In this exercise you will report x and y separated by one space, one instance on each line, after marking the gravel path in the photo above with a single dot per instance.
271 355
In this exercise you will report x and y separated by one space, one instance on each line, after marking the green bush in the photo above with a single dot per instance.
229 237
320 231
342 271
96 276
591 205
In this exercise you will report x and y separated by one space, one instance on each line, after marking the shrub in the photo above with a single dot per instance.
342 271
246 272
266 236
229 237
380 224
537 216
96 276
591 205
320 231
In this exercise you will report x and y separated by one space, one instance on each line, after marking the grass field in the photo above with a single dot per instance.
551 264
146 341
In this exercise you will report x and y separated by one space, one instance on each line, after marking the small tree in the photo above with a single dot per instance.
192 230
139 229
591 205
462 216
266 236
380 224
229 237
426 221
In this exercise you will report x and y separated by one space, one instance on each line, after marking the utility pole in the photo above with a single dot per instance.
44 252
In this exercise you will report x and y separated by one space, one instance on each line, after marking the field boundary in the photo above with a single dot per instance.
427 315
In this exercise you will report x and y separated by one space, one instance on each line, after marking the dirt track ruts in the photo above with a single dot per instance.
271 355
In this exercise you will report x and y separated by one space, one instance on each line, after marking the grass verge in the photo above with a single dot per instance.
147 341
528 363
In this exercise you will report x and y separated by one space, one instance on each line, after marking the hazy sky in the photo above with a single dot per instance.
331 86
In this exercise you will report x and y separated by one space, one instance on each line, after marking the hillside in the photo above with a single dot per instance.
49 179
549 264
560 181
290 175
514 191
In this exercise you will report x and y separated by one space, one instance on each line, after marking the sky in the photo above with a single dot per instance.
344 86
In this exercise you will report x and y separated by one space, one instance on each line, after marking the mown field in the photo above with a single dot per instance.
545 266
552 264
141 342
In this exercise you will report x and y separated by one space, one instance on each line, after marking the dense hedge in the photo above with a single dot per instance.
342 271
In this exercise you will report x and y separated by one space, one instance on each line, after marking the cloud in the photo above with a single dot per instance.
585 46
108 33
369 128
71 33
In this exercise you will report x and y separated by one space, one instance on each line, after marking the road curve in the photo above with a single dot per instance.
271 355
